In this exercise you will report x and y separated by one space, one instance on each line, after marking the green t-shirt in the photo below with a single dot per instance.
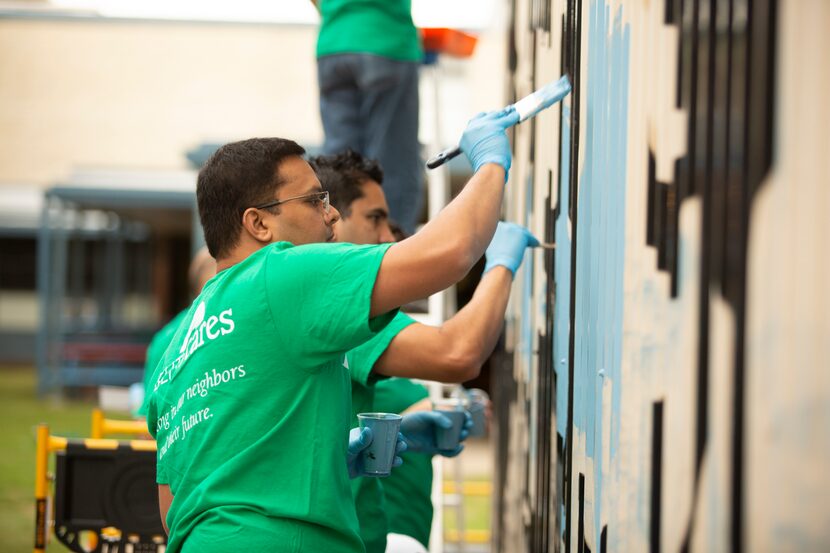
368 494
408 490
380 27
252 402
155 350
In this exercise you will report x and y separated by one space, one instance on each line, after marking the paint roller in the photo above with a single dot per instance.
527 107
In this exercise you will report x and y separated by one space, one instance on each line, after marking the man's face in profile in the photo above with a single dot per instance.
302 219
368 222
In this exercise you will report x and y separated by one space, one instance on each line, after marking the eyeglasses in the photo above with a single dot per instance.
315 199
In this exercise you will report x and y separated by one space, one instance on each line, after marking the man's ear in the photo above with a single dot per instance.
255 224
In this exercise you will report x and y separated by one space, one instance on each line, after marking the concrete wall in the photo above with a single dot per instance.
669 386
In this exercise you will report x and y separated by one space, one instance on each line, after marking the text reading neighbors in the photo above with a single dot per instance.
178 422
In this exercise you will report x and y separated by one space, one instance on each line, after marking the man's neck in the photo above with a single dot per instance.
238 254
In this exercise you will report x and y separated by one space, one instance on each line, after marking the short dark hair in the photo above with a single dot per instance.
397 231
237 176
343 175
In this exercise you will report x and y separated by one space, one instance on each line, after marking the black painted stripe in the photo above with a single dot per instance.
656 475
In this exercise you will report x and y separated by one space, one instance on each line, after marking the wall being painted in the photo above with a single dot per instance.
669 383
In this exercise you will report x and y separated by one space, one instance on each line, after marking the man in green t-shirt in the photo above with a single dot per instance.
251 401
368 57
202 268
453 352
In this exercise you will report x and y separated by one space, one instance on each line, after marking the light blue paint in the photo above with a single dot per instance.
562 279
543 98
562 288
600 238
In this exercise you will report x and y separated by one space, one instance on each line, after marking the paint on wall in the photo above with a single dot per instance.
638 395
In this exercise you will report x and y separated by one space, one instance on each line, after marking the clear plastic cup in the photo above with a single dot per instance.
449 438
379 456
477 413
477 407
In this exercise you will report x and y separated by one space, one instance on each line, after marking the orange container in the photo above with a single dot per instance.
448 41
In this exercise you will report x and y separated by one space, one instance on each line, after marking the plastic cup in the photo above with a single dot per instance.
477 407
379 456
449 438
479 428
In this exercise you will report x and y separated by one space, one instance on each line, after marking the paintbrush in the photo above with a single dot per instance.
527 107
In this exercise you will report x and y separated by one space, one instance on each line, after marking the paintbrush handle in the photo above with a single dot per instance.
442 157
527 107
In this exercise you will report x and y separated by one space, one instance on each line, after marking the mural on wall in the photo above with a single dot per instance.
651 399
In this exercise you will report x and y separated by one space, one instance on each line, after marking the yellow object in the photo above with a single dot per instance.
41 486
111 532
47 444
469 488
470 536
102 426
88 540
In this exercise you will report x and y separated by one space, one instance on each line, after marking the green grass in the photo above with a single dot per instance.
20 413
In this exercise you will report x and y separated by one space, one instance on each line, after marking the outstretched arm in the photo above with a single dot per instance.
455 351
441 253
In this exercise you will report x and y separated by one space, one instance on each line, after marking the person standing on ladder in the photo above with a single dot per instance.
368 56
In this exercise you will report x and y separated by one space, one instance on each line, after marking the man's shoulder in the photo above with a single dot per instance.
320 254
323 248
402 320
395 326
364 356
166 332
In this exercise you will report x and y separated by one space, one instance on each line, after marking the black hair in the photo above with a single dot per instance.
343 175
237 176
397 231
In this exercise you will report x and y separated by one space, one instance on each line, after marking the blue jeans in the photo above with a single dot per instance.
370 104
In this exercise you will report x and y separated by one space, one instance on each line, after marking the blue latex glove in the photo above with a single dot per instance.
484 139
508 246
418 430
360 440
